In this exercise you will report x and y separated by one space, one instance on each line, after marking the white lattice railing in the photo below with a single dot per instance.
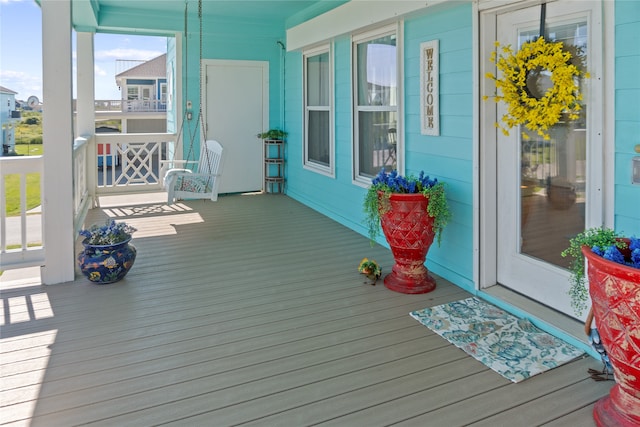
124 163
81 196
131 162
21 235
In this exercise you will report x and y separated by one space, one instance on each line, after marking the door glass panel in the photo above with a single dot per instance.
553 172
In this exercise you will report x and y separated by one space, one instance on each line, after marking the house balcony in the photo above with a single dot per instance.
250 311
151 105
118 109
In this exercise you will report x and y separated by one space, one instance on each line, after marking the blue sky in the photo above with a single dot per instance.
21 52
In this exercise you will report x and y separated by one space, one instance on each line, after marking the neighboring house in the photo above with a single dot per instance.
9 115
344 79
144 90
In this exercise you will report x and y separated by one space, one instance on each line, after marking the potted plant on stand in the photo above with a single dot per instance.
107 256
412 211
273 135
613 269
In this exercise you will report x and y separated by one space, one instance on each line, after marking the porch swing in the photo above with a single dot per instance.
203 179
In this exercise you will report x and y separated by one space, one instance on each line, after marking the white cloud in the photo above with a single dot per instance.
99 71
12 75
24 83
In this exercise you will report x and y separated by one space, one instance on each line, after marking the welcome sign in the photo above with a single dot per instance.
430 88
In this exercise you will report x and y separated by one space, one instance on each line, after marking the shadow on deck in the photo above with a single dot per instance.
250 310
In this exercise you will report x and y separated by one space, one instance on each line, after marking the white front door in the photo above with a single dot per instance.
549 190
237 110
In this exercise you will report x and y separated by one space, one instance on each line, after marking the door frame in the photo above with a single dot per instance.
485 201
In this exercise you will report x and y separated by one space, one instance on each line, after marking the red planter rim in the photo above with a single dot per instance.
414 197
603 264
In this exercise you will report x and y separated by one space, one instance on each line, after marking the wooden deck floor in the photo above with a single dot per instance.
250 311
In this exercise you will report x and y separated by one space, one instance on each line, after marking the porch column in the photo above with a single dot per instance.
57 130
85 105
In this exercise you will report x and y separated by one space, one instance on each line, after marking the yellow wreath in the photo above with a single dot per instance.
536 113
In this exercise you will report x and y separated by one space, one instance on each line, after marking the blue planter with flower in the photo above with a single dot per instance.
107 256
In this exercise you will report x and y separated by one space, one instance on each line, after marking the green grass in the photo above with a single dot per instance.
29 149
12 192
29 133
24 135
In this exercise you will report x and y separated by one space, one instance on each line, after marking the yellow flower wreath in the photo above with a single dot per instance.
536 113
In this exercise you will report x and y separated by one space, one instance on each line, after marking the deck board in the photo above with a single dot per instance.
250 310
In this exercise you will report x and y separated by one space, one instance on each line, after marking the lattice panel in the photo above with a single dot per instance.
138 163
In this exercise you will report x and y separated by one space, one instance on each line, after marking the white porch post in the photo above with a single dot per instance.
85 105
57 128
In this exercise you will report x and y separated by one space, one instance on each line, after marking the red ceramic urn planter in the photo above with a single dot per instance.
615 292
409 231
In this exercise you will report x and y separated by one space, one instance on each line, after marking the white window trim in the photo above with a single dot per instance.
164 88
306 164
140 92
352 17
398 29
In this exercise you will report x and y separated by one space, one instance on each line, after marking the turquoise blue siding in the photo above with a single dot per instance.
172 121
244 40
336 197
627 116
447 157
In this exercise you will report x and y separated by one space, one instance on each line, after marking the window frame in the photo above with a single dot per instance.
356 39
307 163
163 92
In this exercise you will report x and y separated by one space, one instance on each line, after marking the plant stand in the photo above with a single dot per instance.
274 166
615 292
409 230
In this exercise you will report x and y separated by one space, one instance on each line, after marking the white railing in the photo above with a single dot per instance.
81 196
21 243
131 162
144 105
136 105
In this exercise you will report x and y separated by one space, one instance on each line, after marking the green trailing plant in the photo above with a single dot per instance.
600 238
388 183
273 134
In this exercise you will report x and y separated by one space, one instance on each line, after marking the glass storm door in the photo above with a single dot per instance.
548 190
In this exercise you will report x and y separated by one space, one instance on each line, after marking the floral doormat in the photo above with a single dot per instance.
514 348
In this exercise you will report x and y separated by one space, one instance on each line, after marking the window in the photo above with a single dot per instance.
163 93
376 95
132 93
318 118
135 93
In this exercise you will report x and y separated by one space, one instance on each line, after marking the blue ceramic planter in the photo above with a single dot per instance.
104 264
